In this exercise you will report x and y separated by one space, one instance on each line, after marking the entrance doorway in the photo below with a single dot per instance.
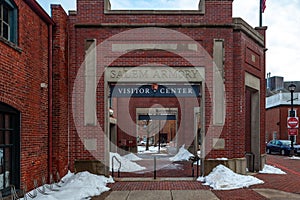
252 136
9 148
156 126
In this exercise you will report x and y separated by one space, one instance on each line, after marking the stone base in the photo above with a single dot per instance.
92 166
237 165
263 161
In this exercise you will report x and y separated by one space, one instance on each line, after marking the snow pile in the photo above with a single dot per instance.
132 157
222 159
268 169
172 166
222 178
78 186
126 165
182 155
152 149
294 158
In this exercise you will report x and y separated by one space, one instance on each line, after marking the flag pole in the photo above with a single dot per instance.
260 13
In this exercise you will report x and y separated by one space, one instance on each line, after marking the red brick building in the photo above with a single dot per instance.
62 77
278 108
134 49
25 90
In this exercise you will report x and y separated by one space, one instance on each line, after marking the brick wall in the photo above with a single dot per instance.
277 122
217 12
23 68
274 120
249 56
60 90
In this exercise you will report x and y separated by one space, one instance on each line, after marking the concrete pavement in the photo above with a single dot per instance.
162 195
193 195
277 194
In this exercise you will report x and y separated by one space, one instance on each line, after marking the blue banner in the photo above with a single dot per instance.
160 91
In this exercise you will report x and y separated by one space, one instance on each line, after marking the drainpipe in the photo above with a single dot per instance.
50 100
68 99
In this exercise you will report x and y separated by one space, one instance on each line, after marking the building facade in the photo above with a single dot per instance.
278 107
77 86
111 51
276 118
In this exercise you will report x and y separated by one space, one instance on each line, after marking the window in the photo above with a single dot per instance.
275 135
9 148
292 114
8 20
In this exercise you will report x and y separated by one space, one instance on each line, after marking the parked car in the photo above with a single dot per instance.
282 147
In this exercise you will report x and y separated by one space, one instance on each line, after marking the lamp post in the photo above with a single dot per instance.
148 131
292 88
158 114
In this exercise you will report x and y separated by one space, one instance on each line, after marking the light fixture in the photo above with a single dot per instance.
154 87
292 87
44 85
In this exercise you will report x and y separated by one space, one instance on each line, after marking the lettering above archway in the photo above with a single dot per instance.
155 74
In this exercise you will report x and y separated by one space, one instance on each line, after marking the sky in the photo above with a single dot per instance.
281 17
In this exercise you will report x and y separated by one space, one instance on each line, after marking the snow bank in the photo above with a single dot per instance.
221 158
268 169
172 166
78 186
182 155
126 165
132 157
152 149
294 158
222 178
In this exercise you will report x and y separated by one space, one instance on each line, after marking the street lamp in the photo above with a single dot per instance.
292 88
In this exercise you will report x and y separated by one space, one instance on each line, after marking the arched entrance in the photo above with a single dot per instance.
9 148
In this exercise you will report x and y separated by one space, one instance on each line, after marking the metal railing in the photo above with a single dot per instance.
114 158
194 159
154 169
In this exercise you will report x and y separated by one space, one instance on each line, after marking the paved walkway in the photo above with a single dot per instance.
162 195
277 187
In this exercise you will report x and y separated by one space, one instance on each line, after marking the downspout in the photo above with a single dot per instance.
50 100
68 100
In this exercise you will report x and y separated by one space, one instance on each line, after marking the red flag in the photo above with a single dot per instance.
263 5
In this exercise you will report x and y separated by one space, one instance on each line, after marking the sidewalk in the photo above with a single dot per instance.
199 195
275 187
162 195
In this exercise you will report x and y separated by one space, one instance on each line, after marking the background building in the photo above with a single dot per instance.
278 105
